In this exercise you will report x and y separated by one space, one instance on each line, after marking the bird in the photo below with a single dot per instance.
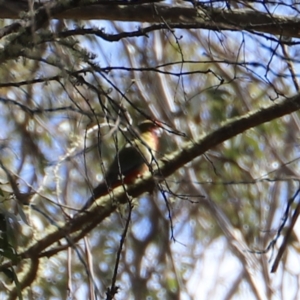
131 162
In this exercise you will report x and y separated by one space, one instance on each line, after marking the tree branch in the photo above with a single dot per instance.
103 207
175 16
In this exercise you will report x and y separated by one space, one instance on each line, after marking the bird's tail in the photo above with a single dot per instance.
101 189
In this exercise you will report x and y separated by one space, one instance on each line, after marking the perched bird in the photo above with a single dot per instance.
130 162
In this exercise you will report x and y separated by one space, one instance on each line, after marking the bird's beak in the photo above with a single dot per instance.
158 131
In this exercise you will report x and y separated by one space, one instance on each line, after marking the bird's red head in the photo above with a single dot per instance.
149 126
150 133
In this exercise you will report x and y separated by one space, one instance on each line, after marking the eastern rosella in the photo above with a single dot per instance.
130 162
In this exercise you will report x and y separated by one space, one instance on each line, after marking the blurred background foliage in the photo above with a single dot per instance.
200 235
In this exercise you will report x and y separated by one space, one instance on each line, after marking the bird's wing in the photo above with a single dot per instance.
129 159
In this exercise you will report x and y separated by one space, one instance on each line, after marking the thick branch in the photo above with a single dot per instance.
104 206
175 16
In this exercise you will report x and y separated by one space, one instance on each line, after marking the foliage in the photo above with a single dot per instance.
222 82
